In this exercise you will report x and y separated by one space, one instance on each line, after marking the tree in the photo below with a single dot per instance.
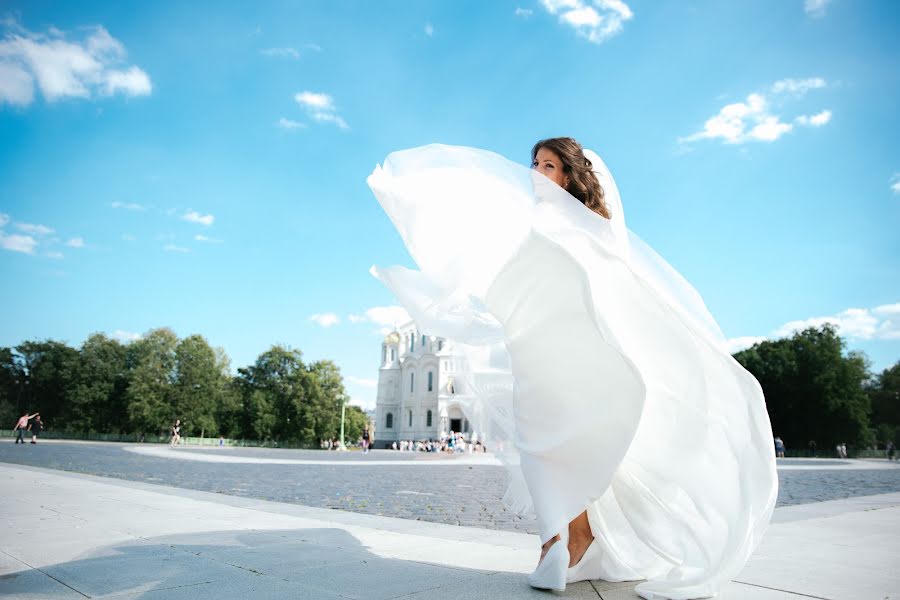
96 390
12 377
149 395
198 385
48 367
884 394
812 390
274 395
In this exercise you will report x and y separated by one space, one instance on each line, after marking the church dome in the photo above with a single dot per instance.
392 338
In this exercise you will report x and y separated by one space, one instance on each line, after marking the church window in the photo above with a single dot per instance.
440 345
393 355
410 418
412 379
428 418
389 421
383 353
430 381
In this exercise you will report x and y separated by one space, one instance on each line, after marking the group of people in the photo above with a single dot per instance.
31 423
455 442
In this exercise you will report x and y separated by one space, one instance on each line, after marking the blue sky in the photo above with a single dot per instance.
202 166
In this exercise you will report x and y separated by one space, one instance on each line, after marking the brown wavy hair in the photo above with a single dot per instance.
583 182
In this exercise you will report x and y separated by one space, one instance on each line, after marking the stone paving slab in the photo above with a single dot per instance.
69 535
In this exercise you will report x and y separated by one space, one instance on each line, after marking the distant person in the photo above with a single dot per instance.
176 432
365 440
36 426
779 447
891 450
21 426
221 441
812 449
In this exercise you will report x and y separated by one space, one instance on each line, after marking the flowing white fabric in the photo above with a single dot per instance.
592 367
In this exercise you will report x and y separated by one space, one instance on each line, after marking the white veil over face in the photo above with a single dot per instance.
588 365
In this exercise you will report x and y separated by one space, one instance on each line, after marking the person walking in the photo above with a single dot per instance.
176 433
365 440
22 426
779 447
36 427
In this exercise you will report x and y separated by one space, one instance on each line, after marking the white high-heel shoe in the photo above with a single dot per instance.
588 567
550 573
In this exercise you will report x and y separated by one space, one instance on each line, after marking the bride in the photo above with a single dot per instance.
592 367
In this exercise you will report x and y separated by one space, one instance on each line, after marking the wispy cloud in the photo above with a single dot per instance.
75 242
879 323
175 248
596 21
320 107
54 254
193 216
129 206
429 29
4 219
816 8
523 12
281 53
895 183
208 240
34 229
388 317
755 118
18 243
125 336
290 125
91 67
325 319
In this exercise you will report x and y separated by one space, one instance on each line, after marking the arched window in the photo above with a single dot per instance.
440 345
393 354
430 381
428 418
423 340
383 353
412 379
389 421
412 342
410 418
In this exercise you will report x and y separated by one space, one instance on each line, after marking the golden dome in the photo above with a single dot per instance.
392 338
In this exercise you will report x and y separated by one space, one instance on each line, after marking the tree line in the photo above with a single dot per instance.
814 389
141 387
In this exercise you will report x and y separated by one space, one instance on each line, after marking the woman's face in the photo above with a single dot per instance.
546 161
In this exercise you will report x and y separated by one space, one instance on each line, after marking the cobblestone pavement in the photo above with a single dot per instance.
454 494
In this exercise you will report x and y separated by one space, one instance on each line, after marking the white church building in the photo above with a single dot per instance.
415 399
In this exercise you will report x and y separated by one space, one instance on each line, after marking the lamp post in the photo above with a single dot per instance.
343 412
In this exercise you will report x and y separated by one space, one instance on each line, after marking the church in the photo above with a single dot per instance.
416 391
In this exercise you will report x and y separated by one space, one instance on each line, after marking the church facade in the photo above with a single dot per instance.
416 391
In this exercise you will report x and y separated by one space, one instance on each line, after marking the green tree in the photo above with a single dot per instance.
96 393
884 394
48 369
813 390
12 377
149 396
198 385
274 395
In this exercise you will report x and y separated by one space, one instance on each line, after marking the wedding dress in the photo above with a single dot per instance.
591 367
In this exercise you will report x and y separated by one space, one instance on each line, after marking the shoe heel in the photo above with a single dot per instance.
550 574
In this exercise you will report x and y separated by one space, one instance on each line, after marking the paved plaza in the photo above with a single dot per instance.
455 490
241 523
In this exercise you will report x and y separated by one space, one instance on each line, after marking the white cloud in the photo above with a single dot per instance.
128 206
388 317
523 12
597 21
54 255
125 336
363 403
879 323
369 383
429 29
18 243
290 125
174 248
34 229
320 107
194 217
281 53
75 242
798 87
895 183
816 120
4 219
755 118
313 47
325 319
208 240
815 8
87 68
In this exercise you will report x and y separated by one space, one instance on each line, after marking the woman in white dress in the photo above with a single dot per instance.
591 367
